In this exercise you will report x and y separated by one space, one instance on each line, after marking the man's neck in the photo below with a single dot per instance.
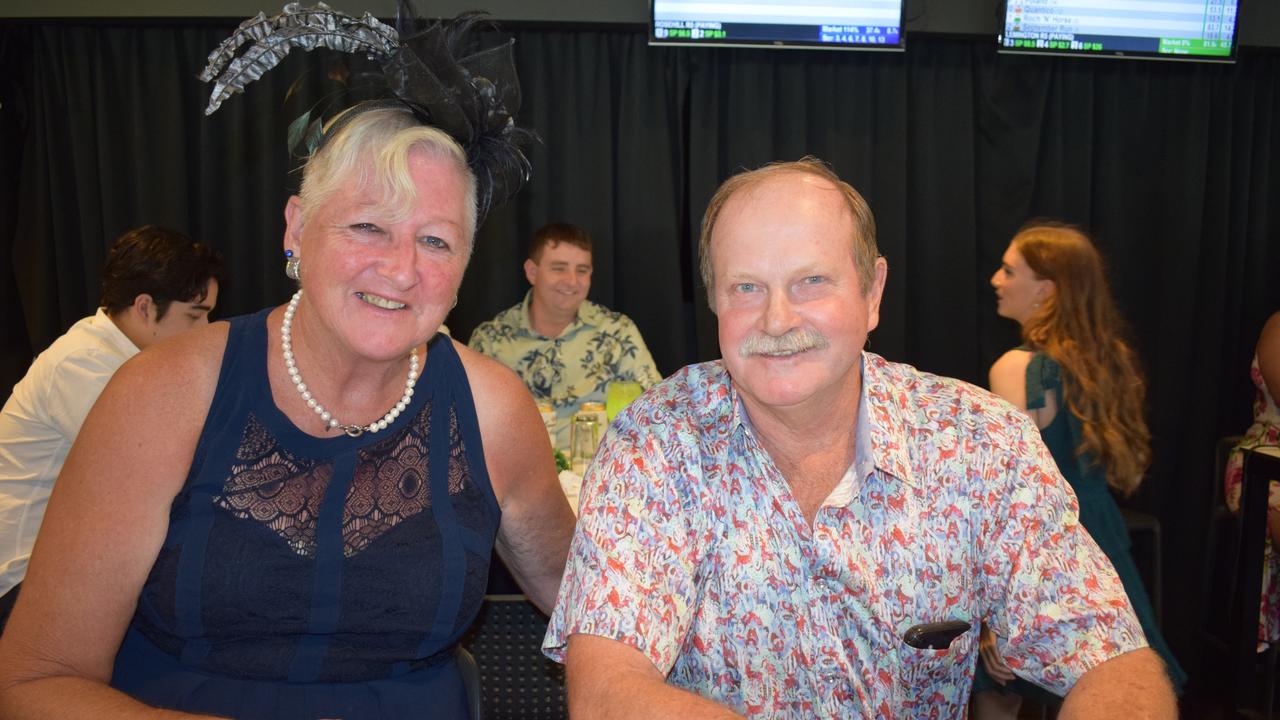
129 327
547 322
824 422
812 445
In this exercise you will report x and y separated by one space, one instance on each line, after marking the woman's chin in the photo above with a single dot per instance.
385 349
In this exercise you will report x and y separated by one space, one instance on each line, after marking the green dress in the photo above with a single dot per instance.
1098 513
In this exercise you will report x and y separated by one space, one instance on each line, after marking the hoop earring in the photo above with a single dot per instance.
292 266
455 302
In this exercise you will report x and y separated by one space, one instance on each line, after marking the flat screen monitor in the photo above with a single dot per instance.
829 24
1158 29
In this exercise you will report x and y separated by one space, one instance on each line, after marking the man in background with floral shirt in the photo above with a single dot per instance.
566 348
806 530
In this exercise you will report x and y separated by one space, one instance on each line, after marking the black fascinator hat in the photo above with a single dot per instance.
472 97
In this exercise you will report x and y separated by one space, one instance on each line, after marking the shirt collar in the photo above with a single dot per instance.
880 437
113 332
883 416
588 315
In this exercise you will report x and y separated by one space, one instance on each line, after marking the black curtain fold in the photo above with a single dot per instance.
942 299
1174 166
14 123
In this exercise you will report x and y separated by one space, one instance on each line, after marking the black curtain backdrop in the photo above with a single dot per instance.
1175 167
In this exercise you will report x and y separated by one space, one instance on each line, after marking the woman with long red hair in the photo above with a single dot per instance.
1079 380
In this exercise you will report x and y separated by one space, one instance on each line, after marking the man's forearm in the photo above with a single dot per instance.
608 680
1133 685
618 695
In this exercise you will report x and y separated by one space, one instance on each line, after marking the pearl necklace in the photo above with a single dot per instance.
331 422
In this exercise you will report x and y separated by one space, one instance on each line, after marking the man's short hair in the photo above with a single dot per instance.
159 262
862 244
556 233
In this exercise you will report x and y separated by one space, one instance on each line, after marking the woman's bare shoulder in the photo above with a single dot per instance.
1008 376
491 382
1268 351
182 368
1012 364
1269 338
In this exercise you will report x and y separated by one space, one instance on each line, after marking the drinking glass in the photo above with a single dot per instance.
618 395
584 435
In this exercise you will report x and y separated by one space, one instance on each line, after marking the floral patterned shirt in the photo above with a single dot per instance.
691 548
598 347
1264 431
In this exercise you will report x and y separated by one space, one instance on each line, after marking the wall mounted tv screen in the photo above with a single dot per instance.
1158 29
829 24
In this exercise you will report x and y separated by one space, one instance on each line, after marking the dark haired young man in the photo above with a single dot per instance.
157 283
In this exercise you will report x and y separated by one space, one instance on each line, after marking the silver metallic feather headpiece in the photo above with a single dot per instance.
472 98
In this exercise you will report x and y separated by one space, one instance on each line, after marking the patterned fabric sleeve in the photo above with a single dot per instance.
482 338
1052 596
638 367
630 574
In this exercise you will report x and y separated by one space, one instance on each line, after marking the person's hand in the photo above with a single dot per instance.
991 658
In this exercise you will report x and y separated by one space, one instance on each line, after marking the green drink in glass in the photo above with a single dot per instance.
618 395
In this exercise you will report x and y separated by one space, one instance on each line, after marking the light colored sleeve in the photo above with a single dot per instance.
638 366
630 574
74 386
482 339
1052 596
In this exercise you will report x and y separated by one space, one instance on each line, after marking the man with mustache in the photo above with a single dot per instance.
806 530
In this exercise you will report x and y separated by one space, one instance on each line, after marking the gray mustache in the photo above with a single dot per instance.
794 341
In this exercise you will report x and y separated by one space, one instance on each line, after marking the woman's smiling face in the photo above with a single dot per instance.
380 280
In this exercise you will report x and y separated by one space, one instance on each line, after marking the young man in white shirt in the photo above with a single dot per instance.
157 283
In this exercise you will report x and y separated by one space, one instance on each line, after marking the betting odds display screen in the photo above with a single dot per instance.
1163 29
832 24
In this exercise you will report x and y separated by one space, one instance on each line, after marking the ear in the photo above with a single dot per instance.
876 293
530 270
293 224
1047 289
144 307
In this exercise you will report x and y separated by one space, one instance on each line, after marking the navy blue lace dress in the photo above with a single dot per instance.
318 578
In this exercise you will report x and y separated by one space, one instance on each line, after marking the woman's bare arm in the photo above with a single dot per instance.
106 521
537 522
1269 355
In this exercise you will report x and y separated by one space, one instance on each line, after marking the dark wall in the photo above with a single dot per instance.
1259 19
